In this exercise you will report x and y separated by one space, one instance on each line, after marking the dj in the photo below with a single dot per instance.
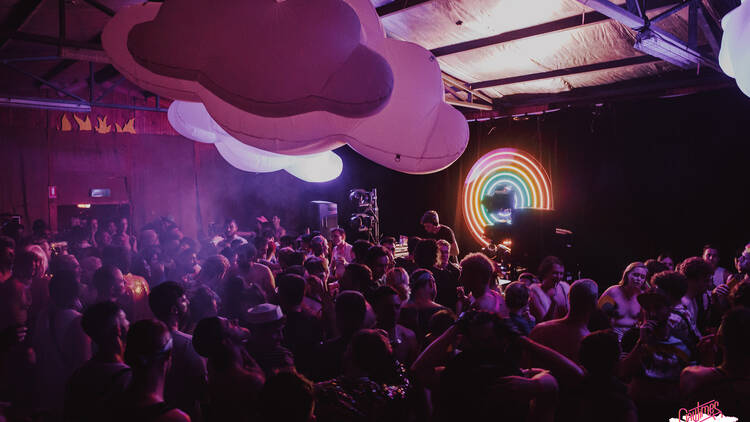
437 231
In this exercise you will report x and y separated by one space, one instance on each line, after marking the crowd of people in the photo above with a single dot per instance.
150 325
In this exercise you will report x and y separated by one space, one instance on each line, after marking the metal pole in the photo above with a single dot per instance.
91 82
45 82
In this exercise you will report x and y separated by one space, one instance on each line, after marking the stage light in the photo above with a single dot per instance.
85 206
506 169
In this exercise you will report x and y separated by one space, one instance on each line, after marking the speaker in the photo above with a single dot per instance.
322 216
533 234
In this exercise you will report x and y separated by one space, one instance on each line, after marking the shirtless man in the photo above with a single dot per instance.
623 298
564 335
549 299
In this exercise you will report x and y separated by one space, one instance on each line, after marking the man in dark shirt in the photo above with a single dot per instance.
434 230
303 331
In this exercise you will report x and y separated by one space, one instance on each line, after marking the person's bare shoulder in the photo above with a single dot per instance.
692 377
175 415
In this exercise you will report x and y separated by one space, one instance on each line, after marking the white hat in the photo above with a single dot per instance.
264 314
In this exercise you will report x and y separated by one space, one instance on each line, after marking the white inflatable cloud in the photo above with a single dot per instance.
192 121
734 56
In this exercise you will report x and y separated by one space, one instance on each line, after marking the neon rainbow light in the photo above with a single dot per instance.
504 168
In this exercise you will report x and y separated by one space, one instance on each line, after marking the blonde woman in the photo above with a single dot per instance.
621 300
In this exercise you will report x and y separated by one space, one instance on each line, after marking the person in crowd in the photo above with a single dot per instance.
477 272
549 297
387 307
89 266
674 285
720 274
7 256
373 386
238 297
148 239
351 309
408 262
29 268
60 344
317 267
110 285
379 260
426 257
234 378
230 234
528 279
266 324
601 392
93 386
255 273
288 257
339 247
398 279
359 250
136 287
439 323
729 381
389 242
654 358
287 396
564 335
319 247
517 300
204 303
621 300
742 265
653 267
698 273
740 295
213 271
449 272
417 313
434 230
302 331
17 358
666 259
358 277
185 384
486 375
102 239
147 353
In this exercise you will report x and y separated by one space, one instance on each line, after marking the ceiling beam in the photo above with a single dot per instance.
630 61
18 15
563 24
44 39
397 6
103 8
638 23
677 83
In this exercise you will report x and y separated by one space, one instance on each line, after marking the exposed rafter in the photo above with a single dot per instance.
671 84
19 14
563 24
630 61
397 6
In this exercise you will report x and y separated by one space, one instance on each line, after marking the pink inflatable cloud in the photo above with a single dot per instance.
415 132
269 58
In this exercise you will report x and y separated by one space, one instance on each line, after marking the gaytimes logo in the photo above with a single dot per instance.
703 412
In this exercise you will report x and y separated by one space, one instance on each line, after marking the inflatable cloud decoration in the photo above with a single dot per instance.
415 132
734 56
265 57
192 121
